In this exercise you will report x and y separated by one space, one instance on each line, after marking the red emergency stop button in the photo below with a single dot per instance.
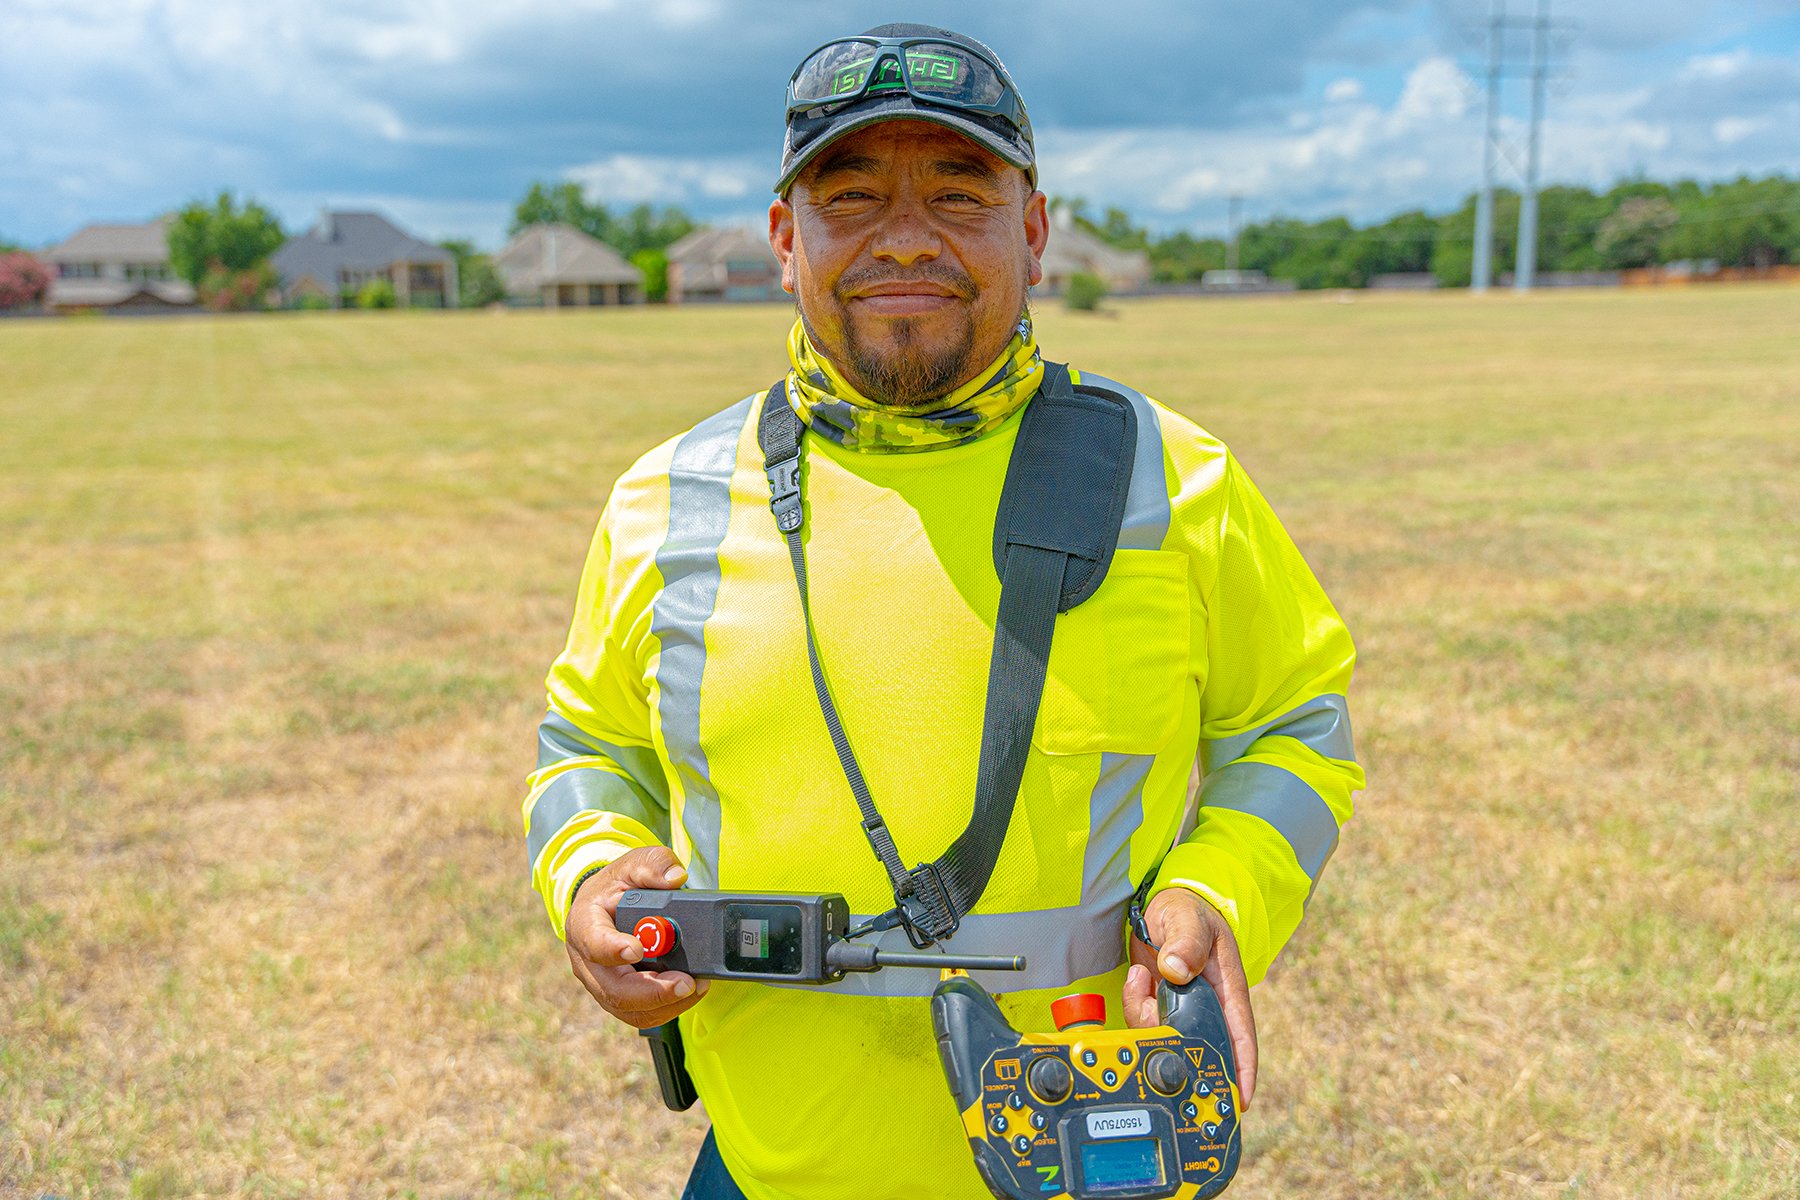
1083 1008
656 935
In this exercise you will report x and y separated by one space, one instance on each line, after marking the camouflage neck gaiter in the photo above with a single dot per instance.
832 408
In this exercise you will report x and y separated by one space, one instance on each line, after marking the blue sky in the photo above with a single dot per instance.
441 112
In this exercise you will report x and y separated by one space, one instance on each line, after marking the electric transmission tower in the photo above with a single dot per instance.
1493 147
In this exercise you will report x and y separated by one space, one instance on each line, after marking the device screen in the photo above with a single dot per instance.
762 939
1126 1163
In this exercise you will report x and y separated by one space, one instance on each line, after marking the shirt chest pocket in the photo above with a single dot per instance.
1119 661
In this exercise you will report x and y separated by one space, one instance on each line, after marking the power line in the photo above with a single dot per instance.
1492 149
1484 204
1525 263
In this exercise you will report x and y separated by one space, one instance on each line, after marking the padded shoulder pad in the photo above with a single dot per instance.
1067 480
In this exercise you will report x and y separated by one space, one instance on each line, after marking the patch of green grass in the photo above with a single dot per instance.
23 925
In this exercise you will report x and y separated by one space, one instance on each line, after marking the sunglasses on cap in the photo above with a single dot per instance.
929 69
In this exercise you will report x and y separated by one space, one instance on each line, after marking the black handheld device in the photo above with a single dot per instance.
1088 1112
779 937
764 937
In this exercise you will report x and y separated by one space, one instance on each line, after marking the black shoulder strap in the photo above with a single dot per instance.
1054 534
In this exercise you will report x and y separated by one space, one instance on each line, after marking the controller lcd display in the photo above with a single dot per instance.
762 939
1118 1165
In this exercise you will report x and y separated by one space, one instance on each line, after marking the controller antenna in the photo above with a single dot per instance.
850 956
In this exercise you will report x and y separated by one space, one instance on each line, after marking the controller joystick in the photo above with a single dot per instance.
1086 1111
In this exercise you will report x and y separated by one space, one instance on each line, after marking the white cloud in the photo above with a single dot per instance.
638 178
1736 129
1340 90
1348 154
1716 66
1436 89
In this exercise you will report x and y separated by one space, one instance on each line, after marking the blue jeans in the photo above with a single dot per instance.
710 1180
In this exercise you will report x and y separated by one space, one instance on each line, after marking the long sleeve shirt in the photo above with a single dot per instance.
681 713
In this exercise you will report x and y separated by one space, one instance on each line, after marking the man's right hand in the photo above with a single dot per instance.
602 955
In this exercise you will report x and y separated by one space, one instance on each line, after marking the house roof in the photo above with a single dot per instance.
1073 249
146 242
356 241
552 254
721 243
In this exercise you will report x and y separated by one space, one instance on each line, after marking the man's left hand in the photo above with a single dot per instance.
1193 937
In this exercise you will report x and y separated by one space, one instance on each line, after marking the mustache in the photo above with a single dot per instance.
946 275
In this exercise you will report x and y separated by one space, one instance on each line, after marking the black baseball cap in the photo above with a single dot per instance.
969 89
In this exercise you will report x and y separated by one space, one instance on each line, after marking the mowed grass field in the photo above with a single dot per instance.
277 595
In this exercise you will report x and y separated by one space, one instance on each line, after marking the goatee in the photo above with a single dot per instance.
912 372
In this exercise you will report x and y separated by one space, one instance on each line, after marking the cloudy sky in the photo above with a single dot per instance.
441 112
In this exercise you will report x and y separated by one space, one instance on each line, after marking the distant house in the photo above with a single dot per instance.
1403 281
346 250
558 266
121 268
1245 280
1073 250
725 262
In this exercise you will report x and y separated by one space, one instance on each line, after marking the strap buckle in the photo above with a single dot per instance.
1139 926
784 493
926 909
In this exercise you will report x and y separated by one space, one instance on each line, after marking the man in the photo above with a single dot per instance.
684 743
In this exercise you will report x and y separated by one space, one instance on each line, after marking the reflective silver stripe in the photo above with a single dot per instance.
560 739
1322 723
1284 800
579 790
699 514
644 797
1115 810
1060 945
1146 522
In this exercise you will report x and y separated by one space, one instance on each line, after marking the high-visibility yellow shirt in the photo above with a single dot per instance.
682 712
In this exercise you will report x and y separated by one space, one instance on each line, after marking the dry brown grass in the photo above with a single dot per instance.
279 594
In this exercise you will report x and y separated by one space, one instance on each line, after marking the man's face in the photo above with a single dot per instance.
909 249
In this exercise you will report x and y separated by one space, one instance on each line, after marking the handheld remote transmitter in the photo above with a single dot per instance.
786 937
1089 1112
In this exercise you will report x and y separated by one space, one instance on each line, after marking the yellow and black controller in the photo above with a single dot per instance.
1090 1112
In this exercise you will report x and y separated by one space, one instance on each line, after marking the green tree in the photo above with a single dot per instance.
1117 229
1568 221
223 234
1086 290
1632 235
1181 256
1312 255
655 266
643 228
1743 223
1399 245
377 293
562 204
478 284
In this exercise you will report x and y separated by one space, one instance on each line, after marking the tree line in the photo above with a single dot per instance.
1745 222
